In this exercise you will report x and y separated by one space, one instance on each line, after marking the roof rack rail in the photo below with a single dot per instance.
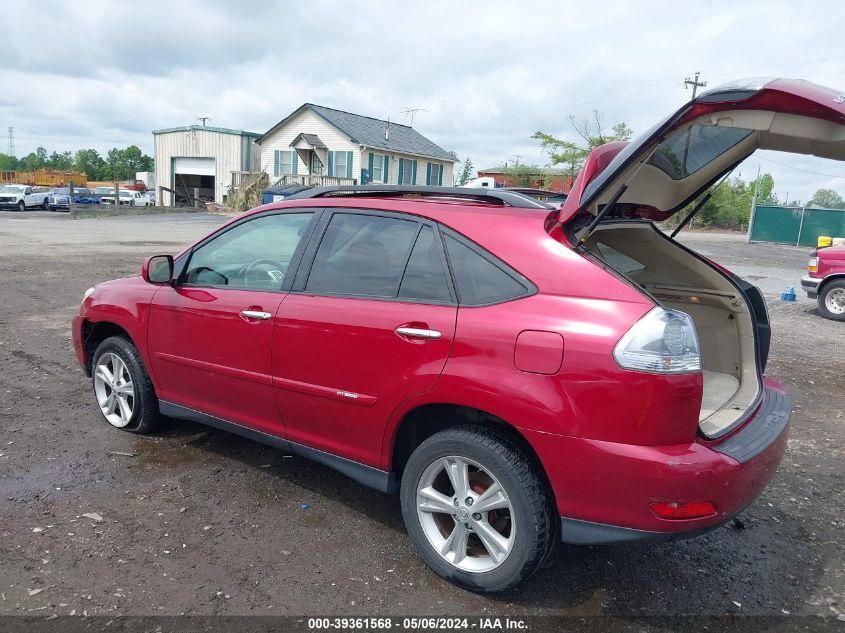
493 196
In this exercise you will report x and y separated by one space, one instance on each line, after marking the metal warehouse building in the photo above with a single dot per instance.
199 163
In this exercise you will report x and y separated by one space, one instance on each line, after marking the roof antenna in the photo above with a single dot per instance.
412 112
203 119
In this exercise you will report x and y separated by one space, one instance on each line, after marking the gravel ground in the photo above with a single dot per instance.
197 521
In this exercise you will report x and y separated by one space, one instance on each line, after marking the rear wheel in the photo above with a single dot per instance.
832 300
123 388
477 508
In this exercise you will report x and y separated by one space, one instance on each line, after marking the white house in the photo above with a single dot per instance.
322 146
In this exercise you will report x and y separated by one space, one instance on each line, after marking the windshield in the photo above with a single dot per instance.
104 190
12 189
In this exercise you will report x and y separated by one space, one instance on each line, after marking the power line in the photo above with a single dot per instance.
808 171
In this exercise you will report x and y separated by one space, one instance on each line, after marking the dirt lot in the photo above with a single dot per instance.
197 521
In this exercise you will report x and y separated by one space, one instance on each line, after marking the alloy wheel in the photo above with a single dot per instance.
465 514
114 389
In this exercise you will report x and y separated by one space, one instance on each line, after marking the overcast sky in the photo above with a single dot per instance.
101 74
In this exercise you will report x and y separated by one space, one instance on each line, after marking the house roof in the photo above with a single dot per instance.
312 139
371 132
206 128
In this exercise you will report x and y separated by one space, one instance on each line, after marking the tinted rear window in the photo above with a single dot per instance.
688 150
479 280
425 277
361 255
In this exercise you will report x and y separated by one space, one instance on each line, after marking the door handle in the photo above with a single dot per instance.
413 332
255 314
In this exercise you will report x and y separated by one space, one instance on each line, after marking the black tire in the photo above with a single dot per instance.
145 415
838 286
45 204
21 206
518 473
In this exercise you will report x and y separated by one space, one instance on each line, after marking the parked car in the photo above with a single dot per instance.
60 198
520 374
22 197
126 197
825 281
150 195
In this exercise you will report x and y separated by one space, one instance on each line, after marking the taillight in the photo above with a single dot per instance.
813 265
663 341
683 509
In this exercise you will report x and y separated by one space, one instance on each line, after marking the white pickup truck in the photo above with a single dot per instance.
126 196
22 197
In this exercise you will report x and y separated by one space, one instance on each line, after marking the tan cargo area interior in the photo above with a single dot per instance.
721 315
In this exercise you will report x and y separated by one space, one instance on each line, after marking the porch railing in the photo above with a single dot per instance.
312 180
240 178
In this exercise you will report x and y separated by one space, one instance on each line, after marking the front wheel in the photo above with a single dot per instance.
21 206
123 388
45 204
832 300
477 508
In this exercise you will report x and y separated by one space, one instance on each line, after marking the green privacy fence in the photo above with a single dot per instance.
788 225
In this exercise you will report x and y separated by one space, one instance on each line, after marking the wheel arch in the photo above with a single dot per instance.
828 279
94 333
424 420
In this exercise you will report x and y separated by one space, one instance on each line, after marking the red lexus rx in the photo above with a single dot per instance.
520 374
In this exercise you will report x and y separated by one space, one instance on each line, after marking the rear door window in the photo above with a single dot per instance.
481 278
425 276
362 255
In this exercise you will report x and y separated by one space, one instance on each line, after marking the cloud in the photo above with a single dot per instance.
100 74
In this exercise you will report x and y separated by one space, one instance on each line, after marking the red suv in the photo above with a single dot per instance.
520 374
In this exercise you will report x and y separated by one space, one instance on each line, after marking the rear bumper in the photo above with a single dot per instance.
811 286
604 490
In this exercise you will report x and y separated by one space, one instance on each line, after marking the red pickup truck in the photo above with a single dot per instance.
825 281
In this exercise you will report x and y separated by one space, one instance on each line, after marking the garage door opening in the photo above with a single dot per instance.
193 181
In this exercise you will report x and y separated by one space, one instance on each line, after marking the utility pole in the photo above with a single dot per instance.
11 141
204 119
695 83
753 206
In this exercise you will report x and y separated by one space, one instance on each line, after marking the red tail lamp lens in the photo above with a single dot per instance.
683 509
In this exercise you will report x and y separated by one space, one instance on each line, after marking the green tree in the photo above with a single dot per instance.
730 205
527 176
89 162
593 132
8 163
827 199
61 162
34 160
463 172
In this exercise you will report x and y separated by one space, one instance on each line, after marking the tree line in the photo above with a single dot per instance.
118 164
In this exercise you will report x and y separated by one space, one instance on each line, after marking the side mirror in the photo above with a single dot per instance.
158 269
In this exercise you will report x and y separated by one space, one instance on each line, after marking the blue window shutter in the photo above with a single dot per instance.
331 163
349 164
371 166
401 170
276 163
428 173
414 172
384 171
440 177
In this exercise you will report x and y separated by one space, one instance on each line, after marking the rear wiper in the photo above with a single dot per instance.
701 203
